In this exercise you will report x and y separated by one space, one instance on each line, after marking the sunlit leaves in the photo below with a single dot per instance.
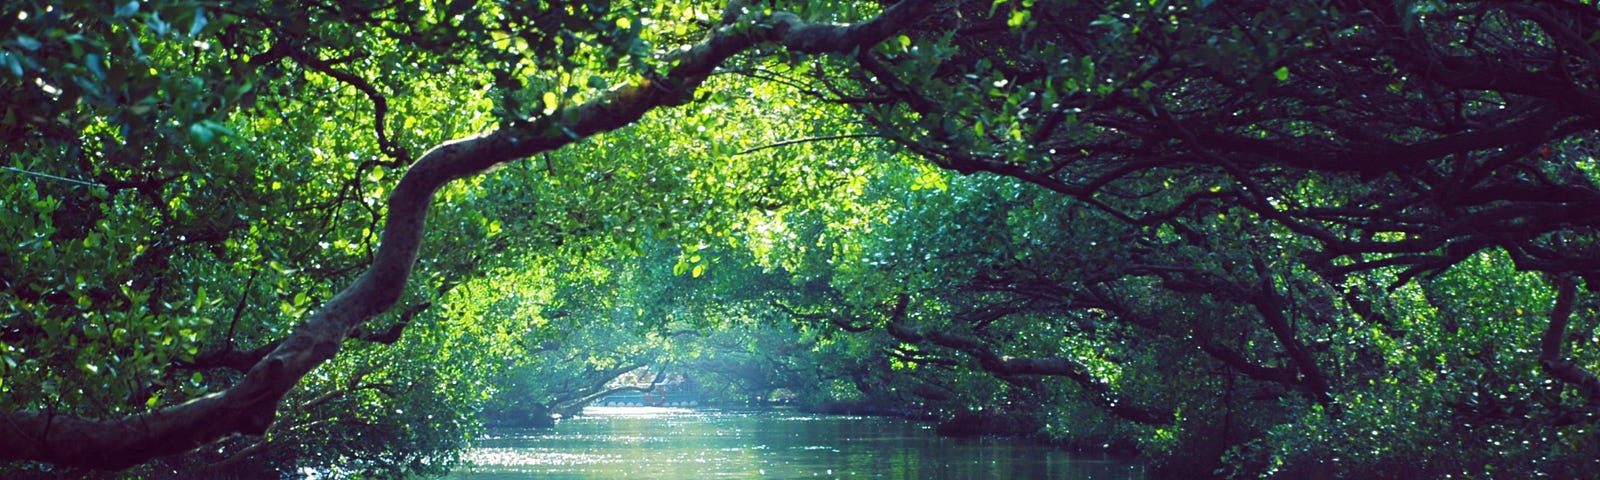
193 179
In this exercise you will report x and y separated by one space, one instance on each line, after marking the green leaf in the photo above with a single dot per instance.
11 63
551 102
995 7
199 22
1018 19
127 9
27 42
157 25
200 133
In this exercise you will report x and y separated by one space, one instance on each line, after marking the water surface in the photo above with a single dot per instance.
676 443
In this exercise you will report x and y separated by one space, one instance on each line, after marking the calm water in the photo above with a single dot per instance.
672 443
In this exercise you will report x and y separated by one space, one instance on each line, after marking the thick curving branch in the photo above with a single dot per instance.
1551 358
250 406
380 104
1006 368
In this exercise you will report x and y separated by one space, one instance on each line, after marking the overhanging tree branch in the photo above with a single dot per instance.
1006 367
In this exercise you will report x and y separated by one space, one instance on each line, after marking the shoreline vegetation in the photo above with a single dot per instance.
1248 239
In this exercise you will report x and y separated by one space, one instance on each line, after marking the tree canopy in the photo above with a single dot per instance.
1248 239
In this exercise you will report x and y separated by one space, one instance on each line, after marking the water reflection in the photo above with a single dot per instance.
675 443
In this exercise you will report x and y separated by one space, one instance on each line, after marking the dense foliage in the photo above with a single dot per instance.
1249 239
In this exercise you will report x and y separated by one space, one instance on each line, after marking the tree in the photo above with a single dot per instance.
250 404
1251 197
1239 235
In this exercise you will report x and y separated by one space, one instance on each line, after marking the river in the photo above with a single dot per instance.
675 443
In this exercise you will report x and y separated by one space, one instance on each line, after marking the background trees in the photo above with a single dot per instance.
1264 200
1241 236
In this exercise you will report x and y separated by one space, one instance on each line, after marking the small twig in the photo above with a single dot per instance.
786 143
53 177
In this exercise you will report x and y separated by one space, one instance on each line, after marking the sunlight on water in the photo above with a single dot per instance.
679 443
638 412
525 456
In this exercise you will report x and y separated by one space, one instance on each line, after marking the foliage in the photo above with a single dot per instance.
1348 239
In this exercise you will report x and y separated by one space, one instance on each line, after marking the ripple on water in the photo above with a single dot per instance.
640 412
676 444
513 457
